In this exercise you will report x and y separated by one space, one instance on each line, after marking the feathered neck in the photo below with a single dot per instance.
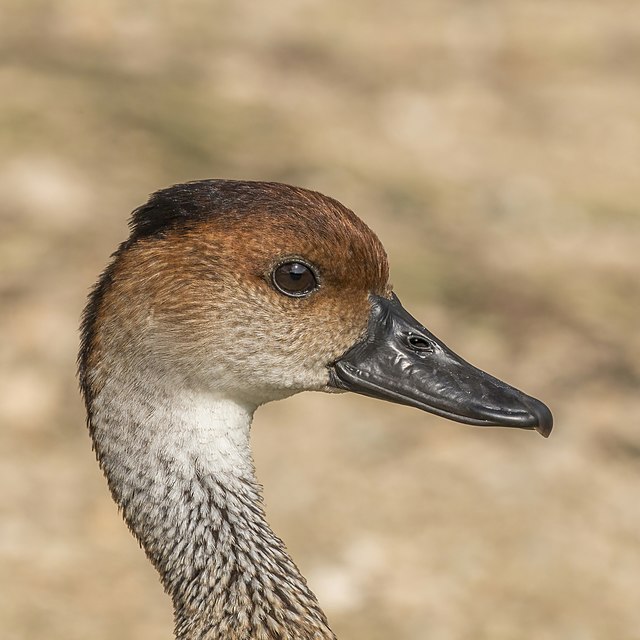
180 468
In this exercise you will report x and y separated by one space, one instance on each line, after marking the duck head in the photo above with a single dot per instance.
261 290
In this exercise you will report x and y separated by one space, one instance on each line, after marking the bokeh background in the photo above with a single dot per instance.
494 146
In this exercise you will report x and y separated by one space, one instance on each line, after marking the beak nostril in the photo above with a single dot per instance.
419 344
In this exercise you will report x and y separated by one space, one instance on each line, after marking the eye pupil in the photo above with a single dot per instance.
297 271
294 279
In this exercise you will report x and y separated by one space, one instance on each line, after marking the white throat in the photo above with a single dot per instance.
212 430
208 430
180 467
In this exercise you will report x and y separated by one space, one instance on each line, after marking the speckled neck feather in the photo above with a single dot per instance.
183 338
183 477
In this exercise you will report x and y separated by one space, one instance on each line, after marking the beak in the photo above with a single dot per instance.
400 361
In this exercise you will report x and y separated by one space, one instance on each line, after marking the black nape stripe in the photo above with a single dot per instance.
182 205
173 207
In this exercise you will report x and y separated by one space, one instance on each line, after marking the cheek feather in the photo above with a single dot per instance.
341 321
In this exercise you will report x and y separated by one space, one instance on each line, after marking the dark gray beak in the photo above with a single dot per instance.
400 361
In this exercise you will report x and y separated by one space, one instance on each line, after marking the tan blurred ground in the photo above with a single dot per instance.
495 148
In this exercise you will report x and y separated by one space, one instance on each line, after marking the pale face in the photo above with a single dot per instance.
213 306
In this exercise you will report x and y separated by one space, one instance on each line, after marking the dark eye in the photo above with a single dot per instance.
294 279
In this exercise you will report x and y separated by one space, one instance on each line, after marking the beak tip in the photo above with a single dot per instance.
543 416
544 431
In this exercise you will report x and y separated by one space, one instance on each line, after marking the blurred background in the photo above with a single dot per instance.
495 149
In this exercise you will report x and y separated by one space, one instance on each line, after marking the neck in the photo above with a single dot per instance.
181 470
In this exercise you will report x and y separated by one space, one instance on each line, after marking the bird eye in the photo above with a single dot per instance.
294 279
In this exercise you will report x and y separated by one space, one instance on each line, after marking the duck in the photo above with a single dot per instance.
226 295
